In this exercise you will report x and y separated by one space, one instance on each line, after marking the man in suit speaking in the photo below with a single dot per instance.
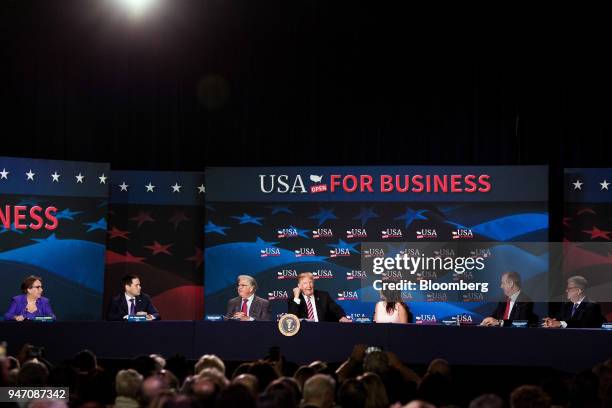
132 302
315 305
246 306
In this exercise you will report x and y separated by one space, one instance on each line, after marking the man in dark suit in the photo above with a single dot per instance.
315 305
132 302
516 306
578 311
246 306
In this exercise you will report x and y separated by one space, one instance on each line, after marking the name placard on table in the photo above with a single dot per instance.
44 319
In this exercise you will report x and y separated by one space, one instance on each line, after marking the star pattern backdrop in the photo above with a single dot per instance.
154 232
70 258
587 218
275 240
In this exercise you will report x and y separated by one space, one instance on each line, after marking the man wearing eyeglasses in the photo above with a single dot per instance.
578 311
247 306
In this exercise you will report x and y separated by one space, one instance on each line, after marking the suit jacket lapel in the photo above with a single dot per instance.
580 309
139 303
513 311
568 310
518 305
254 307
303 306
319 306
124 306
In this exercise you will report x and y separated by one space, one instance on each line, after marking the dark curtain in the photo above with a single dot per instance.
204 83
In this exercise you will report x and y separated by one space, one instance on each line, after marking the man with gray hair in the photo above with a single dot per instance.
127 386
578 311
210 361
319 391
487 401
247 306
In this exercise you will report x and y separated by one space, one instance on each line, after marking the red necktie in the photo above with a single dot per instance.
244 306
507 312
309 307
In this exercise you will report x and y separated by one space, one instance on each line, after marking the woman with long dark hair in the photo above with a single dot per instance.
391 308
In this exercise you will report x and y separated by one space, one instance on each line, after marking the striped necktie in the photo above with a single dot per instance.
309 307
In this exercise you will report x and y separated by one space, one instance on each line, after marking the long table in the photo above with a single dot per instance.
563 349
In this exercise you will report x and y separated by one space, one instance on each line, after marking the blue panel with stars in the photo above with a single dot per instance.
70 258
157 187
53 177
590 185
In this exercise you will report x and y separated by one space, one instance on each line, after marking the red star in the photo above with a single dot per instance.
597 233
131 258
198 258
116 258
566 221
586 210
142 217
158 248
177 218
117 233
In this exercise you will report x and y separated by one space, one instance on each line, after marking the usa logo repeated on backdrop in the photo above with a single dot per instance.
274 223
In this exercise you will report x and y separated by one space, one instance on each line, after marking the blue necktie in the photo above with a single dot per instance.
574 309
132 306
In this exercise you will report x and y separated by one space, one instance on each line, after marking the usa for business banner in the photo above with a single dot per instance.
273 223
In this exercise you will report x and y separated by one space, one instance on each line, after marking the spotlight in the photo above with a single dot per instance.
137 8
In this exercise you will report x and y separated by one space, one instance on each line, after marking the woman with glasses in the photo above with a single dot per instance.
31 304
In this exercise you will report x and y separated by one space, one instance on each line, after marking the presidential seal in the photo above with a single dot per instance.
289 325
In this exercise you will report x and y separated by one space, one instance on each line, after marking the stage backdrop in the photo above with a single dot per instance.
274 223
155 231
587 231
53 224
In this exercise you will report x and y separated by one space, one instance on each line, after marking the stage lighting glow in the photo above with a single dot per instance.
137 8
